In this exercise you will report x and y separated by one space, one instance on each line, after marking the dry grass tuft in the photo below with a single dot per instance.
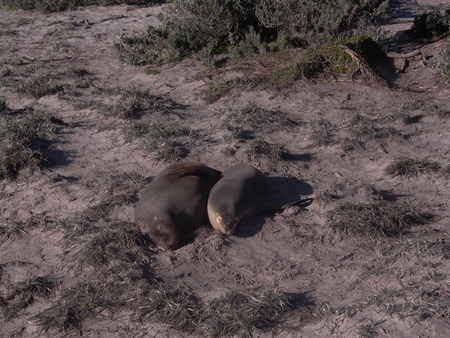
37 286
240 314
170 152
9 228
176 308
116 243
322 133
134 103
255 117
374 219
411 167
22 135
261 148
76 304
41 86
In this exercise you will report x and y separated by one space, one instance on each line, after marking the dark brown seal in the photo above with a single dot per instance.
174 203
242 192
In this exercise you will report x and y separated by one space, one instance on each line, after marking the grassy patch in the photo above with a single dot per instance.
22 135
134 103
170 152
232 314
241 314
10 229
411 167
261 148
176 308
255 117
219 89
163 139
374 219
148 48
322 133
76 304
40 86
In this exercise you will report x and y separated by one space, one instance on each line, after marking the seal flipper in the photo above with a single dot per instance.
302 203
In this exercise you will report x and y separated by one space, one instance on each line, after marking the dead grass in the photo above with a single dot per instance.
261 148
9 228
409 167
134 103
76 304
177 308
361 128
40 86
322 133
241 314
170 152
22 134
255 118
374 219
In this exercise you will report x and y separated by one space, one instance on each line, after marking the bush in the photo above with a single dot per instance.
245 27
431 26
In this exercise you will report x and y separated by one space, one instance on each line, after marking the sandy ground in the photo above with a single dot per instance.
356 286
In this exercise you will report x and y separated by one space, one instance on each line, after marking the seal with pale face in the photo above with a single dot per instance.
243 191
174 203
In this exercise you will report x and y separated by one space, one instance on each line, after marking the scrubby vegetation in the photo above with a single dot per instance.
48 6
431 26
240 27
22 137
374 219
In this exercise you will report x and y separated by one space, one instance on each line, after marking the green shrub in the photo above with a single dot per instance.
244 27
431 26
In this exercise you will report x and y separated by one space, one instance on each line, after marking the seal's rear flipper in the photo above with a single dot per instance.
303 203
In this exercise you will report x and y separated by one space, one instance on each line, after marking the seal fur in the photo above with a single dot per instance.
243 191
174 203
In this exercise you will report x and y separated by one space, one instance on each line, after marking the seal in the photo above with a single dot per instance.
174 203
242 192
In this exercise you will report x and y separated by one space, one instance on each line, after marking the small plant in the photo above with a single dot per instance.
411 167
148 48
255 117
322 133
134 103
77 304
274 152
99 250
361 128
219 89
40 86
240 314
37 286
374 219
20 141
170 152
176 308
